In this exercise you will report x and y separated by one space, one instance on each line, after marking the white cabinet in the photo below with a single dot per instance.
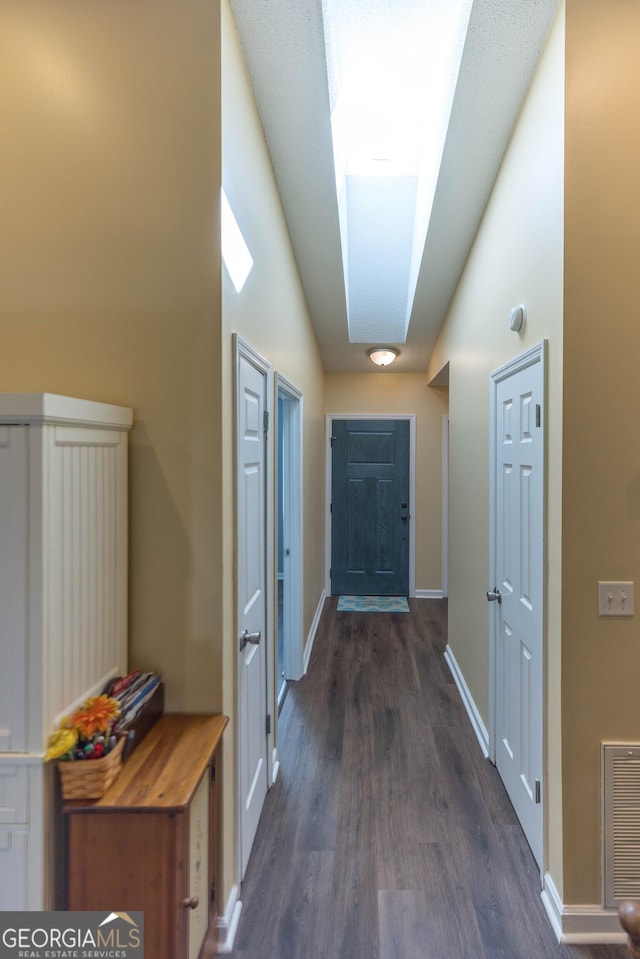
21 831
63 603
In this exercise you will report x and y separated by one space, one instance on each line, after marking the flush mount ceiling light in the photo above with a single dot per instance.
382 355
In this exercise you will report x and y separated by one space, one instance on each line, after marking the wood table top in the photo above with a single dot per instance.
164 770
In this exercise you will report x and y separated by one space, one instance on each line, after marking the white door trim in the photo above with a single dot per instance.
411 417
536 354
243 349
293 524
445 506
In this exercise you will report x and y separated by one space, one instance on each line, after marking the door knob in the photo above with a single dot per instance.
191 903
494 595
248 638
404 517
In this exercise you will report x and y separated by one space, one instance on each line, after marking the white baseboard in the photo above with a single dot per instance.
275 766
472 712
581 925
312 632
429 594
227 925
553 905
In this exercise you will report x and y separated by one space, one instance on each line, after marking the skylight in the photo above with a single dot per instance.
235 252
393 67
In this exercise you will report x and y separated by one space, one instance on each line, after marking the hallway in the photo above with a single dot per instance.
387 835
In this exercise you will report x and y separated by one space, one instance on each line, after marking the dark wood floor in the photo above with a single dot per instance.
387 835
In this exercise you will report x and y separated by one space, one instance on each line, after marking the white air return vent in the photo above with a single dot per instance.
621 828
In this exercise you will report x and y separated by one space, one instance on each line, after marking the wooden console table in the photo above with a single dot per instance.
150 843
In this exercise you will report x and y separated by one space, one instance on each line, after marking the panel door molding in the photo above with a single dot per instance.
516 573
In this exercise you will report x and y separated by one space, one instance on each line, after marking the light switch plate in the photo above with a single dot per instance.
615 599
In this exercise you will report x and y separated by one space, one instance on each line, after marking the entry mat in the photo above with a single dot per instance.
373 604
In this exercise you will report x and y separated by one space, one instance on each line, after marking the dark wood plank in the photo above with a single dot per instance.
404 921
387 834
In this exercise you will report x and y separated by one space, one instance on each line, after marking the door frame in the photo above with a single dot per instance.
293 525
536 354
242 349
411 417
445 506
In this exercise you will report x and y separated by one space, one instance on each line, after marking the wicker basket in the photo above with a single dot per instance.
90 778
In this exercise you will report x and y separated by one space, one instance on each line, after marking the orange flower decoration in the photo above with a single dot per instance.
95 715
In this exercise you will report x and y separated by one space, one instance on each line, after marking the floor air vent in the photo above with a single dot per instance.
621 828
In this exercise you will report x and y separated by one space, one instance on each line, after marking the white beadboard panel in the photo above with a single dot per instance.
13 588
63 605
86 556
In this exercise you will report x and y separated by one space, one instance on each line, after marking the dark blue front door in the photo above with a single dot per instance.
370 507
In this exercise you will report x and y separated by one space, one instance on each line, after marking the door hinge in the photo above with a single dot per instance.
213 771
331 507
268 724
537 414
212 895
537 791
332 440
265 421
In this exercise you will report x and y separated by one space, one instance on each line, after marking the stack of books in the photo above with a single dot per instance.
133 692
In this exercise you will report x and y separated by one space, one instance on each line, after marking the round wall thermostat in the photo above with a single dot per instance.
517 316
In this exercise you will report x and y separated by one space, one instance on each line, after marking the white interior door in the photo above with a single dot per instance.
517 587
251 405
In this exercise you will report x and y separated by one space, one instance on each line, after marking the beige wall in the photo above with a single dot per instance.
601 488
271 315
110 284
517 257
405 393
110 280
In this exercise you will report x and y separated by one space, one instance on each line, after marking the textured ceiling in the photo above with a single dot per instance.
283 45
